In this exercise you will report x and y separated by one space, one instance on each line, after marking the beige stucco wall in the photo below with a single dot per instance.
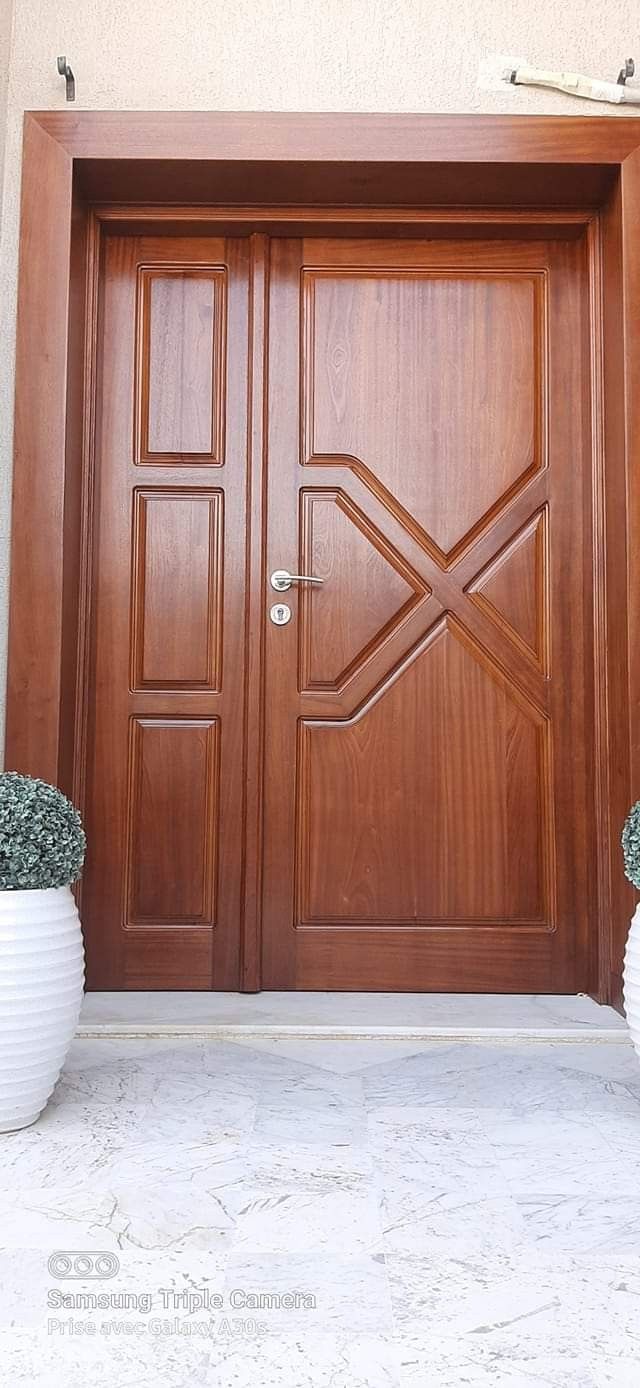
6 17
350 55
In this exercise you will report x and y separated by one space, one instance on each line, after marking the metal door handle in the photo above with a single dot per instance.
281 579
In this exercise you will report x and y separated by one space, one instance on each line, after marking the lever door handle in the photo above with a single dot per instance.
281 579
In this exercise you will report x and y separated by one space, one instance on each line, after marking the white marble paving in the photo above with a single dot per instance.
389 1214
346 1014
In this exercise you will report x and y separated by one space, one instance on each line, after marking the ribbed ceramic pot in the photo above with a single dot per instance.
41 986
631 980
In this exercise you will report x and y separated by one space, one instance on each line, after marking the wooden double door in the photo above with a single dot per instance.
407 421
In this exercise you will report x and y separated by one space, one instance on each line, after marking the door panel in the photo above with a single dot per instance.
379 590
514 589
177 578
451 368
388 818
426 717
181 324
165 785
172 762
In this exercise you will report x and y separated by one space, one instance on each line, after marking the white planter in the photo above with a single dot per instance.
631 980
41 986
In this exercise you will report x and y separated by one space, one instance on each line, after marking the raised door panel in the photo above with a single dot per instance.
388 831
449 365
368 591
180 363
514 588
178 564
171 858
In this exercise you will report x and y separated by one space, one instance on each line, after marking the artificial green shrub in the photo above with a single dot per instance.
42 842
631 845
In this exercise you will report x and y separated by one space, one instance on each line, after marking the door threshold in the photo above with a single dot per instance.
350 1016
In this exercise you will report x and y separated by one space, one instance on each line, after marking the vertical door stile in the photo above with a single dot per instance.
250 959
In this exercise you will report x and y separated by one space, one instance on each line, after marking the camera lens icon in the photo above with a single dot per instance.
75 1263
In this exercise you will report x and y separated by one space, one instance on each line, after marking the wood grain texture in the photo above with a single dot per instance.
177 577
476 184
347 219
368 590
631 272
79 424
514 588
444 349
37 580
258 269
622 375
447 791
332 157
181 320
173 810
336 136
407 815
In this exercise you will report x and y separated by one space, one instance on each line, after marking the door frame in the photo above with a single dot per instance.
86 172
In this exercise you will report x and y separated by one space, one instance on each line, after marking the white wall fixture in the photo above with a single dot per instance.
41 989
499 71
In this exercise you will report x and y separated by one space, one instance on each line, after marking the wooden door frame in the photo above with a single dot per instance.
261 171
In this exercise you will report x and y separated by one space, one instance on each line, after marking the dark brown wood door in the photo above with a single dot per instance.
428 729
165 771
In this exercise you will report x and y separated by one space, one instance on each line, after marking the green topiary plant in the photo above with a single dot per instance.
42 842
631 844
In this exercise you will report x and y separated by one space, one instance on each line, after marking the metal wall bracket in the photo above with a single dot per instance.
65 71
626 71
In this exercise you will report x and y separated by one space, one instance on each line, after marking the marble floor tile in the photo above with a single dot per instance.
315 1167
437 1076
615 1062
432 1292
589 1223
354 1361
303 1115
340 1294
438 1148
105 1159
558 1154
481 1076
180 1215
622 1136
549 1321
60 1359
433 1226
146 1283
457 1213
448 1365
230 1359
280 1222
617 1372
335 1056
